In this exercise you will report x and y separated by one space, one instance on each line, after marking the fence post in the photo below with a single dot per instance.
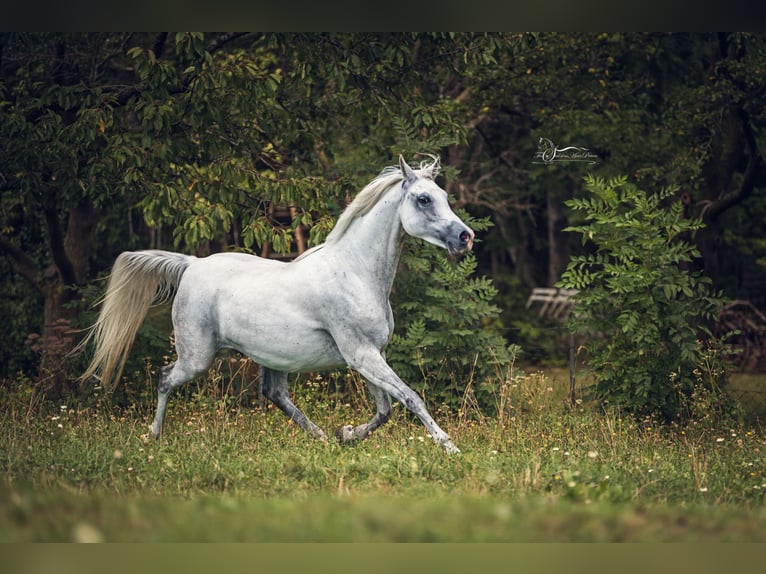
572 397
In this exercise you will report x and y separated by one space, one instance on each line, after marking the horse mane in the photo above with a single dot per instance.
366 199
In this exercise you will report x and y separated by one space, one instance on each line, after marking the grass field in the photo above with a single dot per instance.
539 471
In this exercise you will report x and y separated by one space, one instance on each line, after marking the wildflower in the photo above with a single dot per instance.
720 439
592 454
117 453
703 489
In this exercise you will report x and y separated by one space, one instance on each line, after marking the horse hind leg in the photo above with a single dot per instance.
171 377
274 387
349 433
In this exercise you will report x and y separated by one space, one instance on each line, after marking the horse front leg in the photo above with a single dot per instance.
373 367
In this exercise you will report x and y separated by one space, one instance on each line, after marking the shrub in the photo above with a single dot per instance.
446 337
639 302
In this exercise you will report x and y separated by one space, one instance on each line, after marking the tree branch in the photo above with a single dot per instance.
224 39
22 263
713 210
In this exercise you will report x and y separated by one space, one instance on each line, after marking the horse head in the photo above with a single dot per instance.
425 213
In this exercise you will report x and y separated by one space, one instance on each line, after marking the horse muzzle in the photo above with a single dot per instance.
459 238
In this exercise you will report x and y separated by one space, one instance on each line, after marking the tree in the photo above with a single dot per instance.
91 124
55 159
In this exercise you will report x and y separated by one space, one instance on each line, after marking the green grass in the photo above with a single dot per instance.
539 471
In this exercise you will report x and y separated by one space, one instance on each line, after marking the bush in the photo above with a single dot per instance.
447 337
639 302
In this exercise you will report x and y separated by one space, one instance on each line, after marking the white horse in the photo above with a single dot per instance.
327 308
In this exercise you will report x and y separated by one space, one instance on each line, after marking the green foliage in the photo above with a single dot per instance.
446 337
641 306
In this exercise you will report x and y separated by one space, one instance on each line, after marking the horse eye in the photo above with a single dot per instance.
424 200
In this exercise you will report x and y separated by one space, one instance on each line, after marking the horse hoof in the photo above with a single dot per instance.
345 434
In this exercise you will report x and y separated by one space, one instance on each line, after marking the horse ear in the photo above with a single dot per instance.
407 173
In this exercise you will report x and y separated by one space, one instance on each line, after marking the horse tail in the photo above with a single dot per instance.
138 280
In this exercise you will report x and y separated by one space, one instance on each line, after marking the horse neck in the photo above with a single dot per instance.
373 242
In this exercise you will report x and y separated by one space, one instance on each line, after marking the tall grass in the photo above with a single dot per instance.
538 470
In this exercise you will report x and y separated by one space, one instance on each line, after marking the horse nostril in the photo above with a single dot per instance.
465 237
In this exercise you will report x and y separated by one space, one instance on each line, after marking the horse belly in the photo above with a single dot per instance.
280 342
307 352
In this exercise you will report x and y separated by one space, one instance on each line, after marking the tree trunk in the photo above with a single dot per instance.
58 285
558 252
733 147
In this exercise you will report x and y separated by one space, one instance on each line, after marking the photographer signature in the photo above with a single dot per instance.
549 153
